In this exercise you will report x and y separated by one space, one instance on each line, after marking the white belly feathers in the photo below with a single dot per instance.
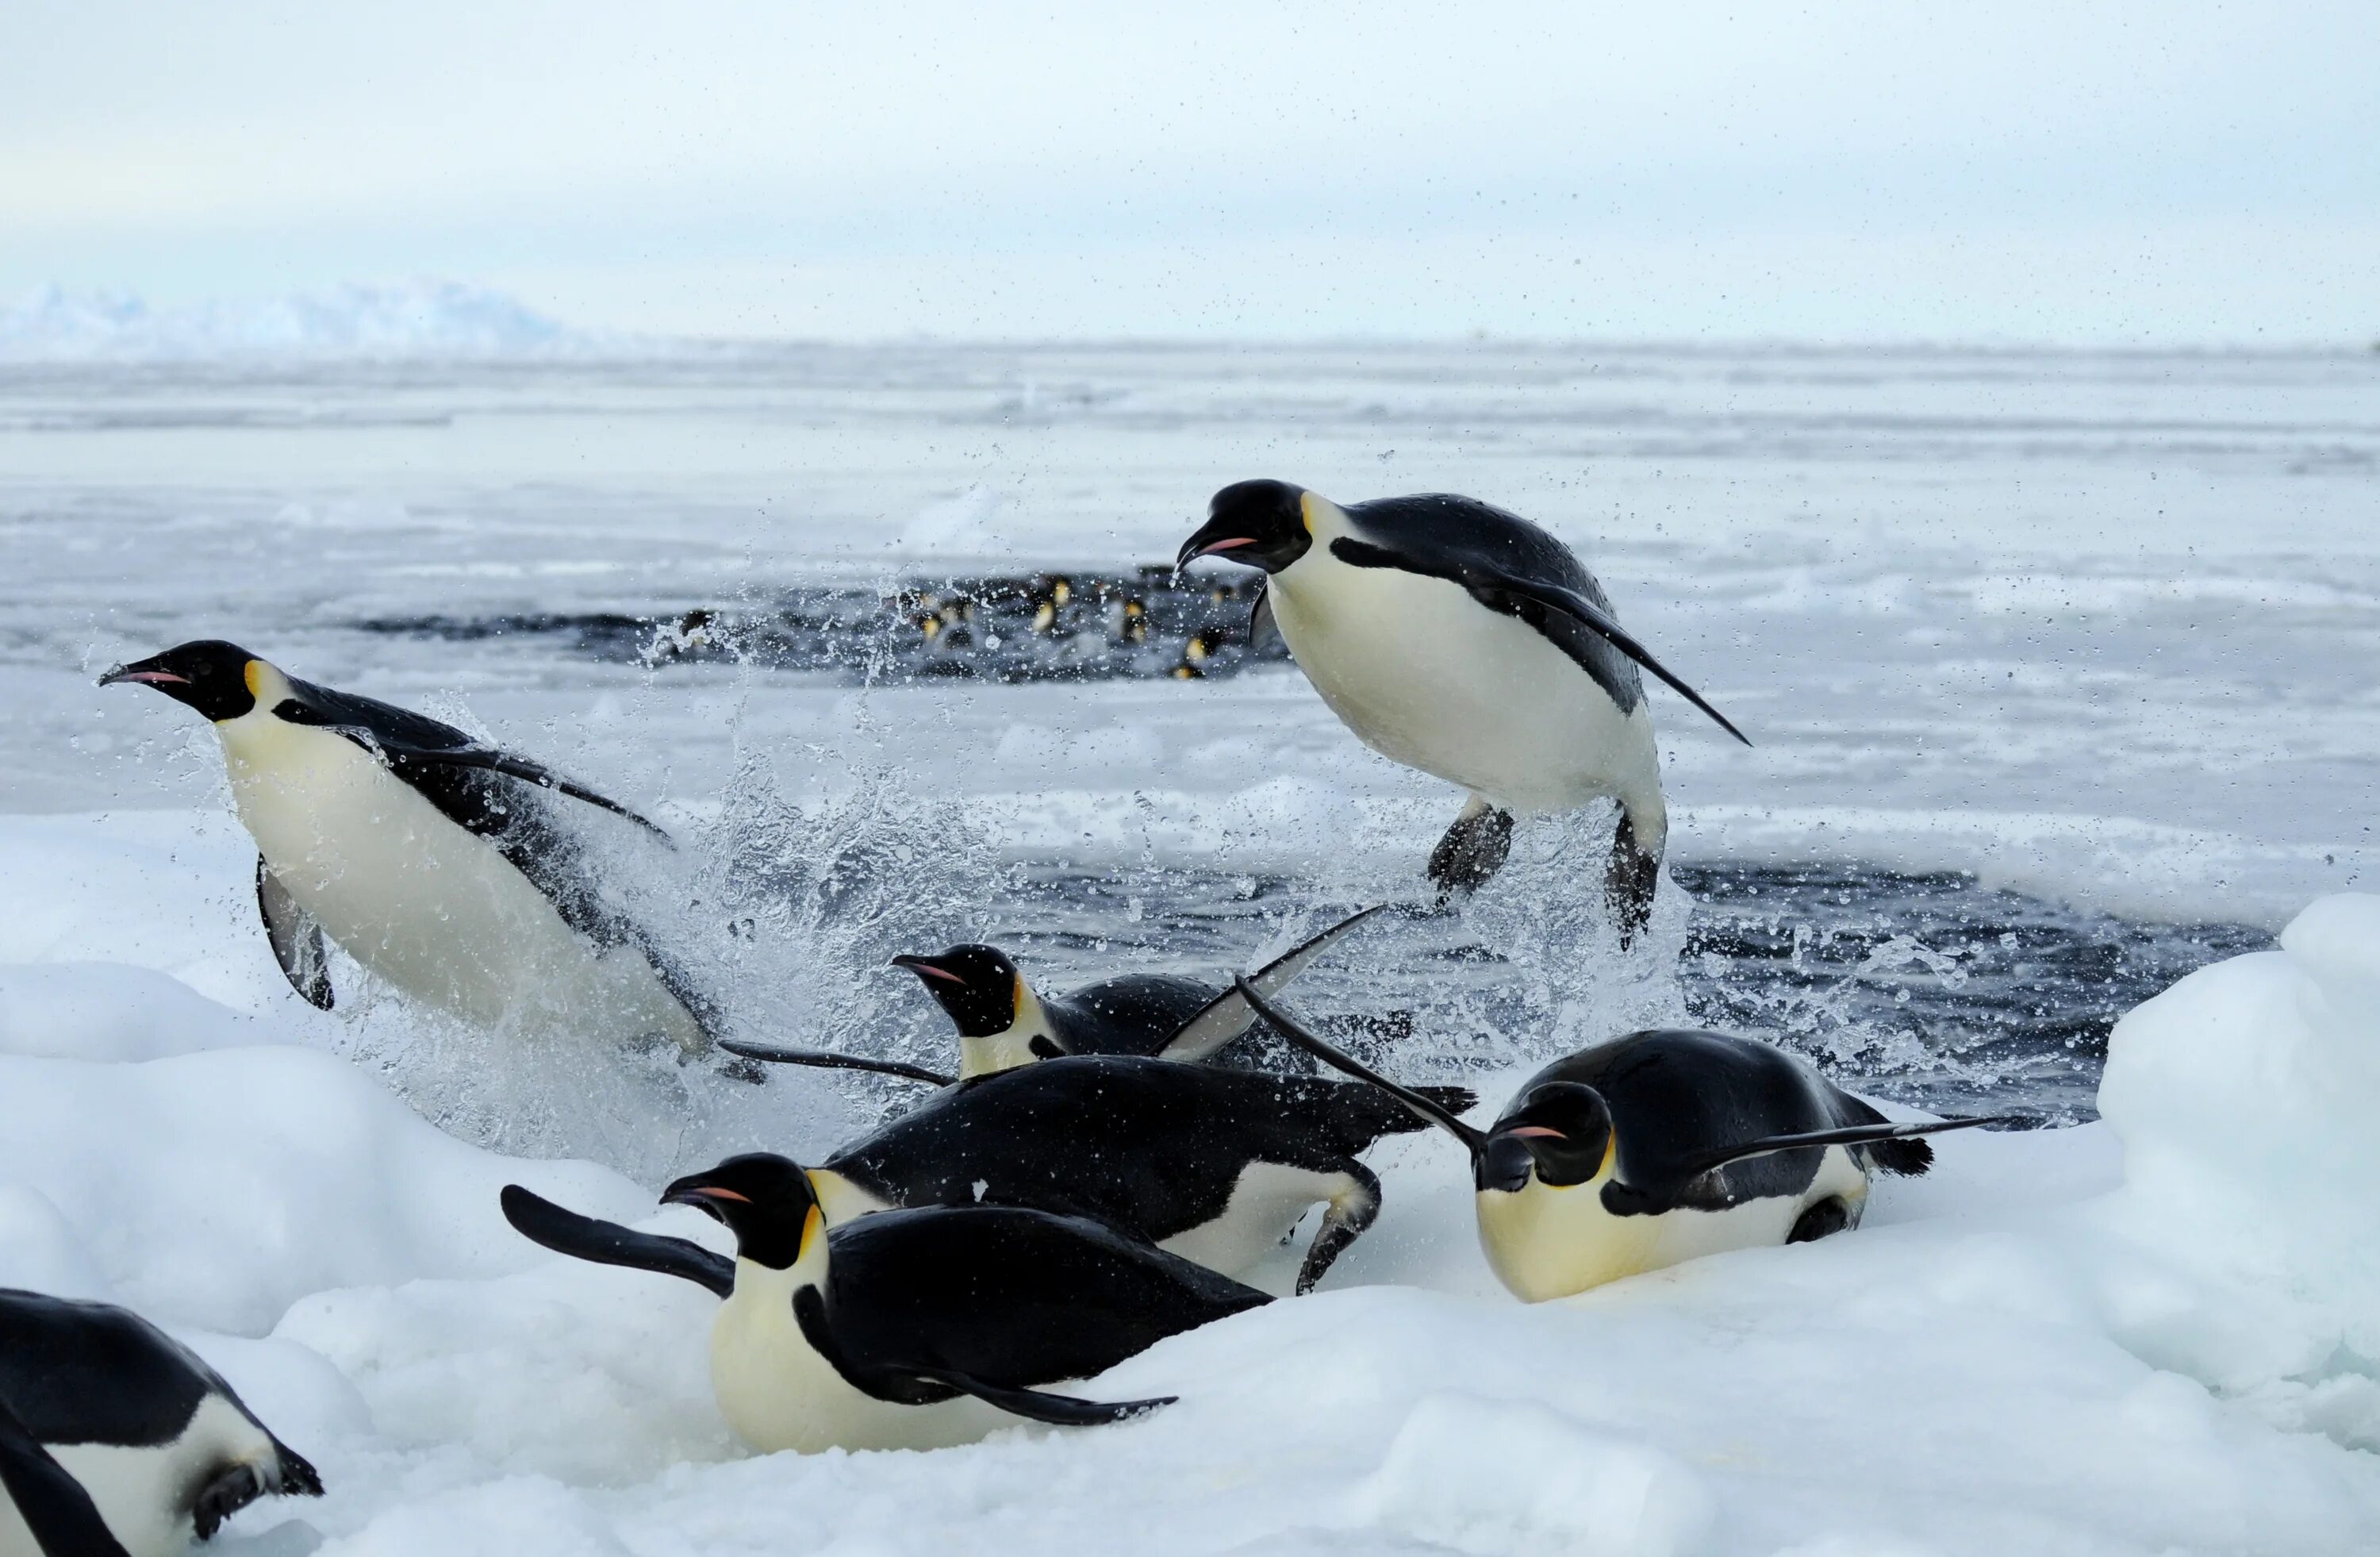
425 905
1426 676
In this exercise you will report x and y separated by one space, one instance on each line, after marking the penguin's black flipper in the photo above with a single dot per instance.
607 1243
1262 629
1228 1013
63 1519
826 1059
1431 1103
402 736
1059 1410
1850 1134
297 938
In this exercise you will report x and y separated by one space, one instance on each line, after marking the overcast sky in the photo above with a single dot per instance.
2055 172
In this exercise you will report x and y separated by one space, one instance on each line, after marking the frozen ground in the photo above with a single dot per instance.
2059 669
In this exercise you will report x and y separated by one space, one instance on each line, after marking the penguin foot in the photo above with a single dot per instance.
1472 851
236 1488
1630 882
749 1071
1827 1216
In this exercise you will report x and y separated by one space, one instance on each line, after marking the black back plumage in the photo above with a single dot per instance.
53 1506
1151 1146
1676 1094
1138 1013
1005 1296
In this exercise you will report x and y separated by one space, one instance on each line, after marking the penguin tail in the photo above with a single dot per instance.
299 1476
1367 1113
1909 1157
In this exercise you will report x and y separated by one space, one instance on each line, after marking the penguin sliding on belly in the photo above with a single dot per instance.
431 858
107 1417
1213 1164
1658 1147
1002 1023
908 1330
1465 641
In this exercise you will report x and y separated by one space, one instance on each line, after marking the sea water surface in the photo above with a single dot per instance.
2060 668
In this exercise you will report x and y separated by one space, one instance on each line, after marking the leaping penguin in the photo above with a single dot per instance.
1002 1023
1467 642
898 1330
107 1421
1659 1147
431 857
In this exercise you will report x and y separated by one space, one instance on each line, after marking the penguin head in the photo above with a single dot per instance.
1560 1132
977 985
1259 523
211 676
766 1201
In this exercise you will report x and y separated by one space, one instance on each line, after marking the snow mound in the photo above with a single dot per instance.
2245 1097
425 318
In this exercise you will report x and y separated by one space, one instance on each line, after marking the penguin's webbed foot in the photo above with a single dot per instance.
1630 882
236 1488
1472 851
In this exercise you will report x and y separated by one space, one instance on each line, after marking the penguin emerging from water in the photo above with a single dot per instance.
1467 642
431 857
1002 1023
1217 1165
1659 1147
157 1446
907 1329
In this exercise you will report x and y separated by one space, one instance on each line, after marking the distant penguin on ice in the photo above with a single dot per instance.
429 856
1002 1023
1659 1147
97 1401
1465 641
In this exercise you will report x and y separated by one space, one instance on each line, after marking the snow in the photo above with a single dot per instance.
422 318
2134 1337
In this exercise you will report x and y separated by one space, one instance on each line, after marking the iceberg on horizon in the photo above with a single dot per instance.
422 318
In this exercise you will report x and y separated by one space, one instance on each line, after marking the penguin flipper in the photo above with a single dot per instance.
607 1243
1262 629
296 939
53 1506
1510 595
401 736
1038 1405
1228 1014
825 1058
1850 1134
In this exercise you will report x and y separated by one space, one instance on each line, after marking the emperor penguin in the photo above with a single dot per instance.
906 1330
111 1429
432 858
1658 1147
1465 641
1214 1163
1002 1023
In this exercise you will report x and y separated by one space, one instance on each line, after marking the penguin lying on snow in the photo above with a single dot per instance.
1658 1147
1458 639
1002 1023
429 856
866 1335
1217 1165
159 1448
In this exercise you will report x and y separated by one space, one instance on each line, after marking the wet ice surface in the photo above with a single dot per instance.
2070 649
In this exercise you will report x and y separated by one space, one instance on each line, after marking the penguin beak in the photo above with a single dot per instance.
928 969
1199 546
702 1196
148 677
